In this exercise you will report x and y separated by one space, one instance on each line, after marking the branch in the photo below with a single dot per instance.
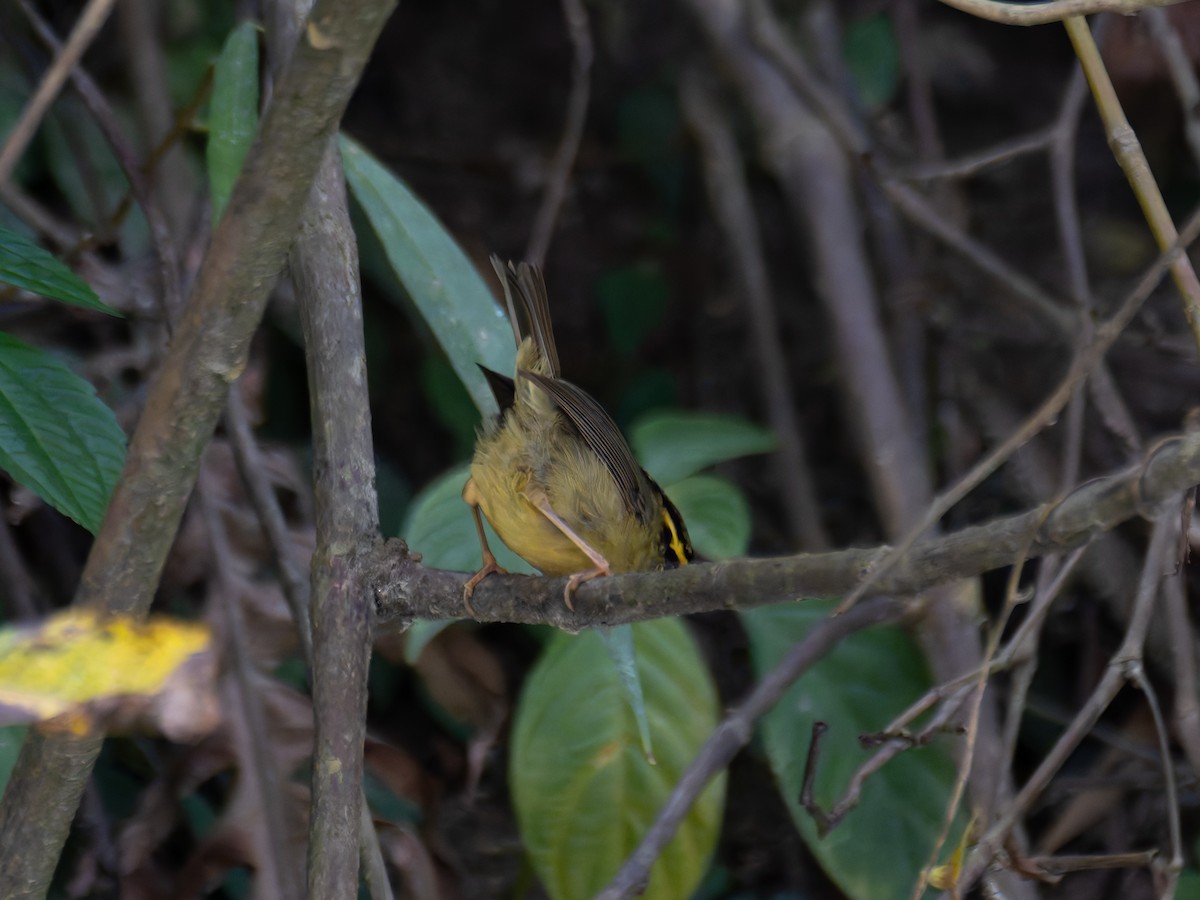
733 734
405 590
210 348
1132 159
90 21
1007 13
325 272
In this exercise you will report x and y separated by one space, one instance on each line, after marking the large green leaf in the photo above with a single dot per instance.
583 790
442 282
233 114
675 444
716 514
25 265
56 437
879 849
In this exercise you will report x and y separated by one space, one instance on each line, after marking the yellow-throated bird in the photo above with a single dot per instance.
553 473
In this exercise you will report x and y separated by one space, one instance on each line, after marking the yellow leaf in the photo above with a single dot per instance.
77 666
945 877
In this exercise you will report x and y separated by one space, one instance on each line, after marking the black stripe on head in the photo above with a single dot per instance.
674 541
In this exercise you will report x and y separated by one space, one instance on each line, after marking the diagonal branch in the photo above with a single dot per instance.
209 350
405 590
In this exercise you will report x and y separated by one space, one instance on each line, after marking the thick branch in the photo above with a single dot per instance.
325 271
209 351
405 590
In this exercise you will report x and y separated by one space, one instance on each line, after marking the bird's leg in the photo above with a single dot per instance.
471 495
541 502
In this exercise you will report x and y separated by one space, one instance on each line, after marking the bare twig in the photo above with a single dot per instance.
1053 11
270 516
404 589
140 185
918 83
730 198
1122 664
559 175
279 877
65 235
1062 865
1174 864
138 22
82 35
1183 75
734 733
1082 363
1128 152
974 163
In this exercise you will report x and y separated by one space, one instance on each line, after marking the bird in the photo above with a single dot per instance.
552 472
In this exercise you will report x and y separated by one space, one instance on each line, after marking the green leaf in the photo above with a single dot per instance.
672 445
233 114
871 54
716 514
56 437
442 282
25 265
618 643
879 849
439 527
582 788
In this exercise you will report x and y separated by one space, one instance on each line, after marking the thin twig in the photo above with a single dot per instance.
140 186
279 876
1009 13
1082 363
729 195
1183 75
138 21
559 174
1128 152
734 733
266 506
65 235
82 35
1174 864
1062 865
973 163
1128 655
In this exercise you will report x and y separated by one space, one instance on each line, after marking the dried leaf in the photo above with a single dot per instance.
79 669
